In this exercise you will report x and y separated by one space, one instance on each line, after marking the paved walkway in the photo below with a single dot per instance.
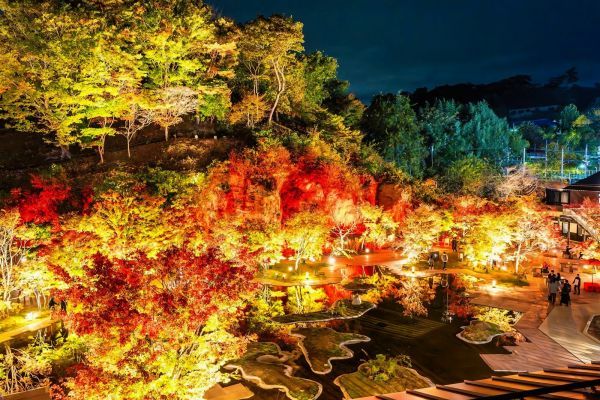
565 325
540 351
32 327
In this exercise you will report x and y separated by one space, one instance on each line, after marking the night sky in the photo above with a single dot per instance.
391 45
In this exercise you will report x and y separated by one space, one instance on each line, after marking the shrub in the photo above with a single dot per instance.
496 316
382 368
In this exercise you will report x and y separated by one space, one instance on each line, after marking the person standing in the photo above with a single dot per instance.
552 290
444 260
454 245
63 305
430 261
577 285
565 294
550 278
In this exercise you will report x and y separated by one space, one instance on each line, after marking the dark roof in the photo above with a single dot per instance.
591 183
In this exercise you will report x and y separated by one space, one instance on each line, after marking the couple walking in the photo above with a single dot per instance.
557 285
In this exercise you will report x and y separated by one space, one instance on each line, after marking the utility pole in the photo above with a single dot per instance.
562 162
546 159
585 160
431 156
523 157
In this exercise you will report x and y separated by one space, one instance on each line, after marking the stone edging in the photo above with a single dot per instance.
587 326
329 319
349 353
287 371
488 340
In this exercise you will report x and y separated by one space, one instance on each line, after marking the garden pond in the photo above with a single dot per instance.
432 345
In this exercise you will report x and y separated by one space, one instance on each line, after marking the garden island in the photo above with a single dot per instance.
197 208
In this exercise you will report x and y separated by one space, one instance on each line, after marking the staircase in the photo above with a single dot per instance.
584 220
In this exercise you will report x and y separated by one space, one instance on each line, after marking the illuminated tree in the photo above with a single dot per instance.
268 50
12 252
519 182
306 233
107 79
306 299
531 232
123 224
172 104
186 61
251 109
379 226
137 115
345 218
161 327
45 46
422 228
411 295
490 237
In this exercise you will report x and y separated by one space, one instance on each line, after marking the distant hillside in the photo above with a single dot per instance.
516 92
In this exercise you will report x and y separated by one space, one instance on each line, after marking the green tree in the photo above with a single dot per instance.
44 46
488 135
470 175
343 103
269 49
443 132
185 59
306 233
319 71
391 125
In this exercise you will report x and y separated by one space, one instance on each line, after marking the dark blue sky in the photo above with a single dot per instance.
391 45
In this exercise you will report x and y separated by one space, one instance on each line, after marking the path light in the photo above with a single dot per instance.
290 268
367 250
412 269
494 284
312 259
307 276
331 260
30 316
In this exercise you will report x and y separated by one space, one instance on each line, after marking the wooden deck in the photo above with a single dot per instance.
565 325
32 327
540 351
577 382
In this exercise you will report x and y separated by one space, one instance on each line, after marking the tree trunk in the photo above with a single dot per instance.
65 154
274 107
128 146
101 153
299 298
517 258
297 263
166 133
280 88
